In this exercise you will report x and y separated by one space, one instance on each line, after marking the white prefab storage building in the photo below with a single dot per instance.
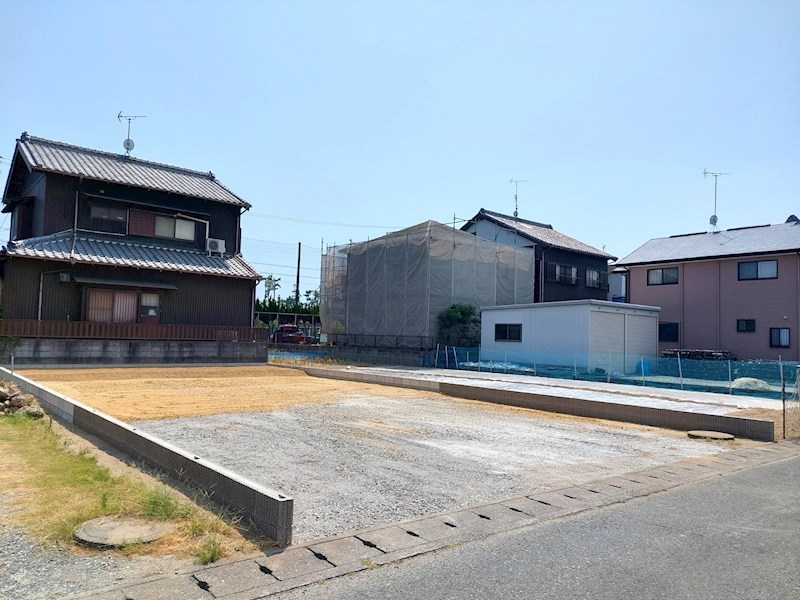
583 334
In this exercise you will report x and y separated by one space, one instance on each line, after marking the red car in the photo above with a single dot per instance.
290 334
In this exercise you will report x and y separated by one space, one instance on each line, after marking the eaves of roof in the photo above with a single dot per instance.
540 233
625 265
44 155
759 240
111 252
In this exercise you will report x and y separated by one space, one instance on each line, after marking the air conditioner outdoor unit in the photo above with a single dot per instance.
215 245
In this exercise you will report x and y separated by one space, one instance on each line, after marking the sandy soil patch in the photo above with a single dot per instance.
176 392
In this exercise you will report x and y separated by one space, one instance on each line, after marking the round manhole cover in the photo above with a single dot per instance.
118 531
709 435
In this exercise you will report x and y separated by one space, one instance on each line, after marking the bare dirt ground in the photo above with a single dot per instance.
153 393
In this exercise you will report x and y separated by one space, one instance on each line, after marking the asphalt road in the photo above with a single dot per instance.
735 536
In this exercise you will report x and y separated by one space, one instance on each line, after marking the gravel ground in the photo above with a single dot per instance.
370 459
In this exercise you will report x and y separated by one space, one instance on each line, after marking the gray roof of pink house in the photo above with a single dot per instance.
741 241
57 157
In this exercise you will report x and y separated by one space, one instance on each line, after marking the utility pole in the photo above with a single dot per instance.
297 283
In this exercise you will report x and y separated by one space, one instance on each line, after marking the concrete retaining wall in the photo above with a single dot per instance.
270 511
754 429
60 351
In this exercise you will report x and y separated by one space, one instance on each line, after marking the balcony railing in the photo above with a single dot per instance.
25 328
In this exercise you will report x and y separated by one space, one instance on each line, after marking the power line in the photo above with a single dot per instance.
313 222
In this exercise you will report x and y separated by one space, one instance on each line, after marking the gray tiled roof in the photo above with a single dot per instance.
762 239
543 234
100 251
57 157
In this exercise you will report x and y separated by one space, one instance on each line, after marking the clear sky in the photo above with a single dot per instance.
342 120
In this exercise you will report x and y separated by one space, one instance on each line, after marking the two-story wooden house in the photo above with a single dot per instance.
99 237
566 268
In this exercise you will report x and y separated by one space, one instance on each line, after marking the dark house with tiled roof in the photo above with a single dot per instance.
736 290
98 237
566 268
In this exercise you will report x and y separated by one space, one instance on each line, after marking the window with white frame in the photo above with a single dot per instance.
592 278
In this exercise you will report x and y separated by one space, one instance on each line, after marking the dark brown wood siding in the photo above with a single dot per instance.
555 291
200 300
29 215
224 223
60 204
61 199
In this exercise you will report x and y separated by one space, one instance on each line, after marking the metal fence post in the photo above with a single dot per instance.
575 366
680 369
641 362
436 358
609 367
730 379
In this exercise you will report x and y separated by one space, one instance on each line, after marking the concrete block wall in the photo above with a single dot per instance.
63 351
269 510
754 429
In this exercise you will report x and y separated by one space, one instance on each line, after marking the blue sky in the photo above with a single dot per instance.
342 120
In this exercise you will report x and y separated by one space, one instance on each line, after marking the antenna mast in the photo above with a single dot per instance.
128 143
713 220
516 183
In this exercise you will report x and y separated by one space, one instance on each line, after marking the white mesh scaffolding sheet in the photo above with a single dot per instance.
394 287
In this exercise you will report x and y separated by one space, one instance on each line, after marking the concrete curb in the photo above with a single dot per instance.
681 420
269 510
259 575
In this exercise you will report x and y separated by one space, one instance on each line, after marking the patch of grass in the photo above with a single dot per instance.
62 488
158 504
210 550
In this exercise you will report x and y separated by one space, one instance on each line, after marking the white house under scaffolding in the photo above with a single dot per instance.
393 288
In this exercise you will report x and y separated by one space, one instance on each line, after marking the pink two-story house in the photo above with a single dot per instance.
736 290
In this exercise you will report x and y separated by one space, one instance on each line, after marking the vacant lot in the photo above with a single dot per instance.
355 455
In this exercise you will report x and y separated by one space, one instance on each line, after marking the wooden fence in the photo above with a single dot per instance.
31 328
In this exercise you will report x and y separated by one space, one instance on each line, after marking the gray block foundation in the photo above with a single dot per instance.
34 351
270 511
754 429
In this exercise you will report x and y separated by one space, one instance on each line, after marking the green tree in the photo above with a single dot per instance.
460 325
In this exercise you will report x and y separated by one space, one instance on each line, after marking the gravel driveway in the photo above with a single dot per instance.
373 459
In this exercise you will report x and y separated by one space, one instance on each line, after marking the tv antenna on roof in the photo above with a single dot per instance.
516 183
713 220
128 143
